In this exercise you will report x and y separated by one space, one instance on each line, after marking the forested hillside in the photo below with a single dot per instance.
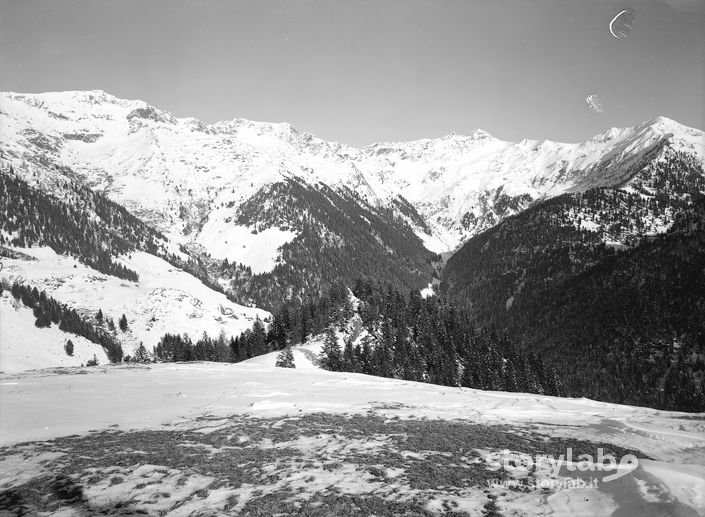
85 224
631 328
585 279
385 334
501 269
339 238
49 311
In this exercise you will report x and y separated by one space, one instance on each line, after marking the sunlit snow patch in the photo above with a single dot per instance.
241 244
23 346
427 291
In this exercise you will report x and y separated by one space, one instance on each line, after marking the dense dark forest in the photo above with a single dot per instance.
87 225
340 237
32 218
495 271
631 328
48 311
621 322
387 335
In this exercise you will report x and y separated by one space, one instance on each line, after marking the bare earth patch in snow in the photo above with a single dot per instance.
180 439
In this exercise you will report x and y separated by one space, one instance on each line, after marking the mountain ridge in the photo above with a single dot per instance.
208 187
96 95
450 180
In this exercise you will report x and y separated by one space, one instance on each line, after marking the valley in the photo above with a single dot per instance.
435 304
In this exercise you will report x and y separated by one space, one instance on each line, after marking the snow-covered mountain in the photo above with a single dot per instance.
189 178
164 300
90 254
294 212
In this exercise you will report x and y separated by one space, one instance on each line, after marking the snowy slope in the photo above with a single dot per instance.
178 173
457 177
305 356
205 397
23 346
165 299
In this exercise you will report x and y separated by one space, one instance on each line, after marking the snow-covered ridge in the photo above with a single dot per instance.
176 171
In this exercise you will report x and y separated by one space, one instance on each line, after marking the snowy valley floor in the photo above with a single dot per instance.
250 439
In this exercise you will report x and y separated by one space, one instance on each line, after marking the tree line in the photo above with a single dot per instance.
48 311
412 338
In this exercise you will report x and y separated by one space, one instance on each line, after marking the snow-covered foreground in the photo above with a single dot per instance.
166 299
183 438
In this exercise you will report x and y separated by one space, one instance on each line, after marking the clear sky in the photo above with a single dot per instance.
361 71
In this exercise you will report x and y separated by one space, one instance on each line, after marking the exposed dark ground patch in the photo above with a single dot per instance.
317 464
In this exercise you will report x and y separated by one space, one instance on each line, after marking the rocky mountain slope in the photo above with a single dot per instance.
174 172
93 256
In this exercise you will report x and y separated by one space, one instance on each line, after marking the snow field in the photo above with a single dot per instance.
255 436
23 346
164 300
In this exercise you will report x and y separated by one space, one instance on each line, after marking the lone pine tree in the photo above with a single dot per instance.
285 359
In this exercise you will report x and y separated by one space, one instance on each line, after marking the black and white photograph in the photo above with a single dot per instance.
336 258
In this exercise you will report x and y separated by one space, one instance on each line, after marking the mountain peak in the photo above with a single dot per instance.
445 178
660 120
480 134
477 134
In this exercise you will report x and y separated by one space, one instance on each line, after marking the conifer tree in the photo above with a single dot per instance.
258 345
123 323
43 319
350 360
15 290
141 354
285 358
68 347
331 355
